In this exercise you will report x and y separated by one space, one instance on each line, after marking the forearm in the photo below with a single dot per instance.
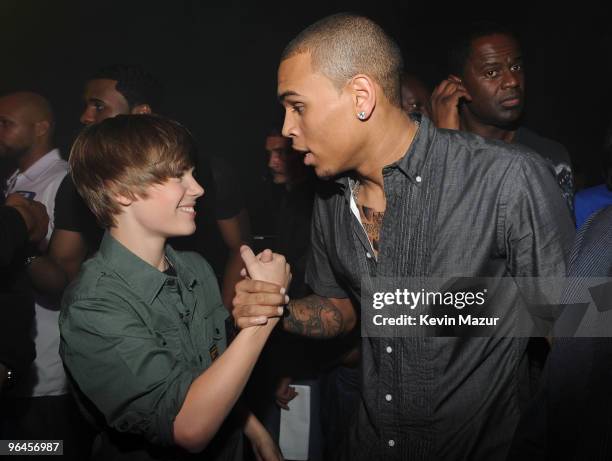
47 276
318 317
214 393
253 427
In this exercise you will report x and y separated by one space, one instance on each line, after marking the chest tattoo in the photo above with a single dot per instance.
372 222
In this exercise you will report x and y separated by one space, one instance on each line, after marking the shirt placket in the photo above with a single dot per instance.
172 300
388 348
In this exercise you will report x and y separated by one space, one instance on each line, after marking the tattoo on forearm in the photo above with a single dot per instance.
314 316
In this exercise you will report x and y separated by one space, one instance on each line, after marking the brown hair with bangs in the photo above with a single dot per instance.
124 155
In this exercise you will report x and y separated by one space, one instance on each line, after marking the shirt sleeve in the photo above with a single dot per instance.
129 372
69 206
538 230
319 272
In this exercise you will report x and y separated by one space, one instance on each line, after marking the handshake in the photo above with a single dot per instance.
261 294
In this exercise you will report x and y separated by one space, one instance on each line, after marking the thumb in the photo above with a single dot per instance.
266 256
248 257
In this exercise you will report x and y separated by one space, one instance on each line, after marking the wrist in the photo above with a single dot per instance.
253 429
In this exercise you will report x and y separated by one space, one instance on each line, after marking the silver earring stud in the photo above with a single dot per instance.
361 115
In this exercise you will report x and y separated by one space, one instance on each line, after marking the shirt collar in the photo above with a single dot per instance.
41 165
413 161
143 278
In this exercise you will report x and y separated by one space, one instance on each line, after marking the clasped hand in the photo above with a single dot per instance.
262 293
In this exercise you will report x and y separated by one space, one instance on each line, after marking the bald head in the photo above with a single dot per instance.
31 106
26 125
344 45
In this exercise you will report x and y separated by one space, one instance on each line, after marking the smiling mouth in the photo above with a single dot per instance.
190 209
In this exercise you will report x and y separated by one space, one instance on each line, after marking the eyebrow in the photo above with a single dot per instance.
283 96
487 62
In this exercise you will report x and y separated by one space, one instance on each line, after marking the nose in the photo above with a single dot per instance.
87 117
511 80
195 189
274 160
289 127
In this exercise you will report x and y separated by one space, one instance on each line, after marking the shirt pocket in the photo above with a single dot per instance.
212 343
170 338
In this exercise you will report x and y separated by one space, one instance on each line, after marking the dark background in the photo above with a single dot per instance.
218 66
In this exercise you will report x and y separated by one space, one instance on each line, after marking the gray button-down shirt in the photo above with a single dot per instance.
457 205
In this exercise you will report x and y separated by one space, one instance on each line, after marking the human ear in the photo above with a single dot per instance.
364 96
142 109
42 128
122 199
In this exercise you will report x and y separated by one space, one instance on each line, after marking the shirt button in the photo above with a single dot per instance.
389 349
170 282
418 179
391 443
368 255
388 397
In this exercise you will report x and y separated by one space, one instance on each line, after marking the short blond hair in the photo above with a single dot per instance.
125 155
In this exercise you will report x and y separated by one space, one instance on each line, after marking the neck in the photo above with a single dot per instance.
393 135
149 248
32 156
469 123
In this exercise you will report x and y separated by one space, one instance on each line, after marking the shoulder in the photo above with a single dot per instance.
97 300
592 253
546 147
491 156
59 168
196 263
95 281
66 188
591 192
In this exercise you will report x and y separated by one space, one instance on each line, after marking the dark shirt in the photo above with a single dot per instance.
228 194
555 153
571 417
293 233
457 205
72 214
134 339
16 301
13 234
222 200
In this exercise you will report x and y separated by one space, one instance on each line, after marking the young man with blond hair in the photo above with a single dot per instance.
143 326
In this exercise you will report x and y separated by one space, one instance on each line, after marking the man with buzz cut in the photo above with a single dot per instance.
405 199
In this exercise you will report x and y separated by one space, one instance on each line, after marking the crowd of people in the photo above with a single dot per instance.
125 336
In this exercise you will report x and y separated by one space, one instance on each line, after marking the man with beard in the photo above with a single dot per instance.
39 407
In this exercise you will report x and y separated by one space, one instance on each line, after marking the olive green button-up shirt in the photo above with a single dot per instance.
134 339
